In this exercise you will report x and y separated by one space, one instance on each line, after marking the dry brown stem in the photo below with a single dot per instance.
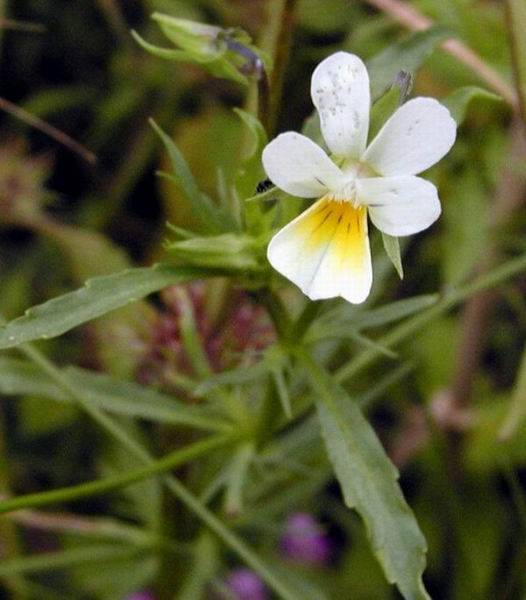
412 19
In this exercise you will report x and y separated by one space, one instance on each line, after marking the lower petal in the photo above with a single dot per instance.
325 251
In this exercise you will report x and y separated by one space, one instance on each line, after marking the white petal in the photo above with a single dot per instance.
300 167
413 139
340 91
399 205
325 251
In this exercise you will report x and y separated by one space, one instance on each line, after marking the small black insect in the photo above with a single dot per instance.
263 186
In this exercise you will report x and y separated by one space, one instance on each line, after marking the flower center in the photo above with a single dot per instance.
353 170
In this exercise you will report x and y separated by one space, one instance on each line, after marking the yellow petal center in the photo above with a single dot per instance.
340 224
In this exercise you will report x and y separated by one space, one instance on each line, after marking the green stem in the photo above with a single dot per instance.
117 433
62 380
231 540
305 320
277 312
109 484
516 20
277 41
8 531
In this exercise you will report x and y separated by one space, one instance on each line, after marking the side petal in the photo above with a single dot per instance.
300 167
325 252
413 139
399 205
341 93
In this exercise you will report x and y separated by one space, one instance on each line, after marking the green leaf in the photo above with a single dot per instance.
204 567
98 297
62 559
369 484
212 217
459 101
312 129
394 311
92 254
407 55
235 376
335 325
517 408
251 172
382 109
258 134
392 248
236 478
386 105
20 377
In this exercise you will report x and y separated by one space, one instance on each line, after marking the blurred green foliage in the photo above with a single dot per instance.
207 358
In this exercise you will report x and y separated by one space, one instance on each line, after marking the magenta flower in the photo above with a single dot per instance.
140 596
244 584
305 541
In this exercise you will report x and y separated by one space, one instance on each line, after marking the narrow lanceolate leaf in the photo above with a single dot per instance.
99 296
369 484
23 378
392 249
407 55
458 102
214 219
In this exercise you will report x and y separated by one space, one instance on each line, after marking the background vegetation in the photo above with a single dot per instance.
164 443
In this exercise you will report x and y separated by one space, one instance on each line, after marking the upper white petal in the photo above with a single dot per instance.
340 91
400 205
413 139
300 167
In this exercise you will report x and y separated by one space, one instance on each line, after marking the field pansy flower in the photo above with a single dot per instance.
325 251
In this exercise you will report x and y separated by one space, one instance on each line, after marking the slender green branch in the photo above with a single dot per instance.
448 301
109 484
305 320
516 21
116 432
230 539
277 42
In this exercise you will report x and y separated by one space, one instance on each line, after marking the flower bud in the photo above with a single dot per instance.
191 36
228 251
226 53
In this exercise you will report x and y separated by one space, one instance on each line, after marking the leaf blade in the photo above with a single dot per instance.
369 484
98 297
21 378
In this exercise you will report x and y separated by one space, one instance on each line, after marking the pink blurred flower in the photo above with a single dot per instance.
140 596
244 584
304 540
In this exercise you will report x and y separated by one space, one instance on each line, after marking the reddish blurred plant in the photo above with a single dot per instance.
22 178
235 338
